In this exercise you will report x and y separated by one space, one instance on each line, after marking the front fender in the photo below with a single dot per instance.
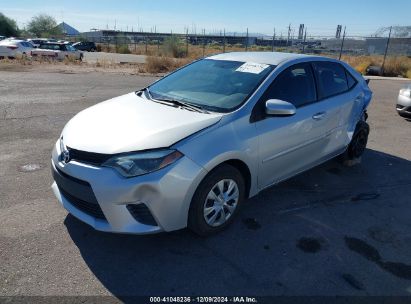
229 140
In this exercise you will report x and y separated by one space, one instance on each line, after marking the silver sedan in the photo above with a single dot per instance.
189 149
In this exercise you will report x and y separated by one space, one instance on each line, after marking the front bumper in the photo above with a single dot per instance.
166 194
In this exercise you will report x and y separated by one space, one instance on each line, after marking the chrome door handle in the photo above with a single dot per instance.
319 116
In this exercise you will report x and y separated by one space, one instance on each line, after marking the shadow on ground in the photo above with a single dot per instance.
289 240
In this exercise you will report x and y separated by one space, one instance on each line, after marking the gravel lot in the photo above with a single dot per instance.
93 57
334 230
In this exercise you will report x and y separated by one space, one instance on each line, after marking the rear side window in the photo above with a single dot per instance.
351 81
295 84
331 79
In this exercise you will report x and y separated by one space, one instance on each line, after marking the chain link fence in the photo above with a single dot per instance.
382 52
150 43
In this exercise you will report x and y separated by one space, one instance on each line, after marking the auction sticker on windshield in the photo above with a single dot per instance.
252 67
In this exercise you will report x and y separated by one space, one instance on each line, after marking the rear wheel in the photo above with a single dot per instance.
216 201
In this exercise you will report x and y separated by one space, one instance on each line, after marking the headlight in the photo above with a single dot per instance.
135 164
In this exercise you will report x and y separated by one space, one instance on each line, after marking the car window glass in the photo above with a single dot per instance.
295 84
331 78
216 85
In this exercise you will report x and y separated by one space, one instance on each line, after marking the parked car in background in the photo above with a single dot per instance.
12 48
85 46
57 51
37 41
404 102
189 149
2 37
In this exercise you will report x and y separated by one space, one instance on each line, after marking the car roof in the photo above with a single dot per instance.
272 58
11 41
53 43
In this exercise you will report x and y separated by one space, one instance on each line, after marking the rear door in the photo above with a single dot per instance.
288 145
334 90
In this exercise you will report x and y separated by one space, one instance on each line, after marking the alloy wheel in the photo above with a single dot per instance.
221 202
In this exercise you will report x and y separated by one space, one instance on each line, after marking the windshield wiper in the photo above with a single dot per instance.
183 104
148 92
177 103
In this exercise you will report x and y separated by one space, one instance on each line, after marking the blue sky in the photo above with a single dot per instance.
362 17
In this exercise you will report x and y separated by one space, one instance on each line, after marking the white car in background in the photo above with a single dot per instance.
57 51
12 48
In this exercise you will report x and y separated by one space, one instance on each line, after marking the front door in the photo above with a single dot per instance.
288 145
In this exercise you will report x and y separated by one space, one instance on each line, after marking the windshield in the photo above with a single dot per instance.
216 85
70 48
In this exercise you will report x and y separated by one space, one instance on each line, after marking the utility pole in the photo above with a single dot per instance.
386 50
342 43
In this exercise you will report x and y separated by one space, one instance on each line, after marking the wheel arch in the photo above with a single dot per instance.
240 166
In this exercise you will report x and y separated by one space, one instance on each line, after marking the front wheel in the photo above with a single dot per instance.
216 201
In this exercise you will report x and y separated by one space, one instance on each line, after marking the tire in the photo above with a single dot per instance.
358 142
226 204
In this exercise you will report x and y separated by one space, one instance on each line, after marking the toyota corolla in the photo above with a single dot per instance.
189 149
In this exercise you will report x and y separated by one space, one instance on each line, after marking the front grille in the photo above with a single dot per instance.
88 157
78 192
141 214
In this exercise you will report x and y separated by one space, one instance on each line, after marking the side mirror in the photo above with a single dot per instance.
279 108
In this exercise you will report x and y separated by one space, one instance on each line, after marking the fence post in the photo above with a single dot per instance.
158 45
342 44
187 42
224 42
246 42
272 43
305 39
386 51
203 42
146 42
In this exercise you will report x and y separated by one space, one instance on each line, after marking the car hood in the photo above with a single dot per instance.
131 123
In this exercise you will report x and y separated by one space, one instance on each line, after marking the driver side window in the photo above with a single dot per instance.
295 84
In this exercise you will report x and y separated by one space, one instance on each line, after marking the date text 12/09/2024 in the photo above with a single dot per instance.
237 299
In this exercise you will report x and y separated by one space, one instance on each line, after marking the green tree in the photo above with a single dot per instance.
8 27
43 25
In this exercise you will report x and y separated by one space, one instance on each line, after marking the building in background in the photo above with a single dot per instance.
68 30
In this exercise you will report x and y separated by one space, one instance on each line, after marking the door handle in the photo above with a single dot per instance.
319 115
